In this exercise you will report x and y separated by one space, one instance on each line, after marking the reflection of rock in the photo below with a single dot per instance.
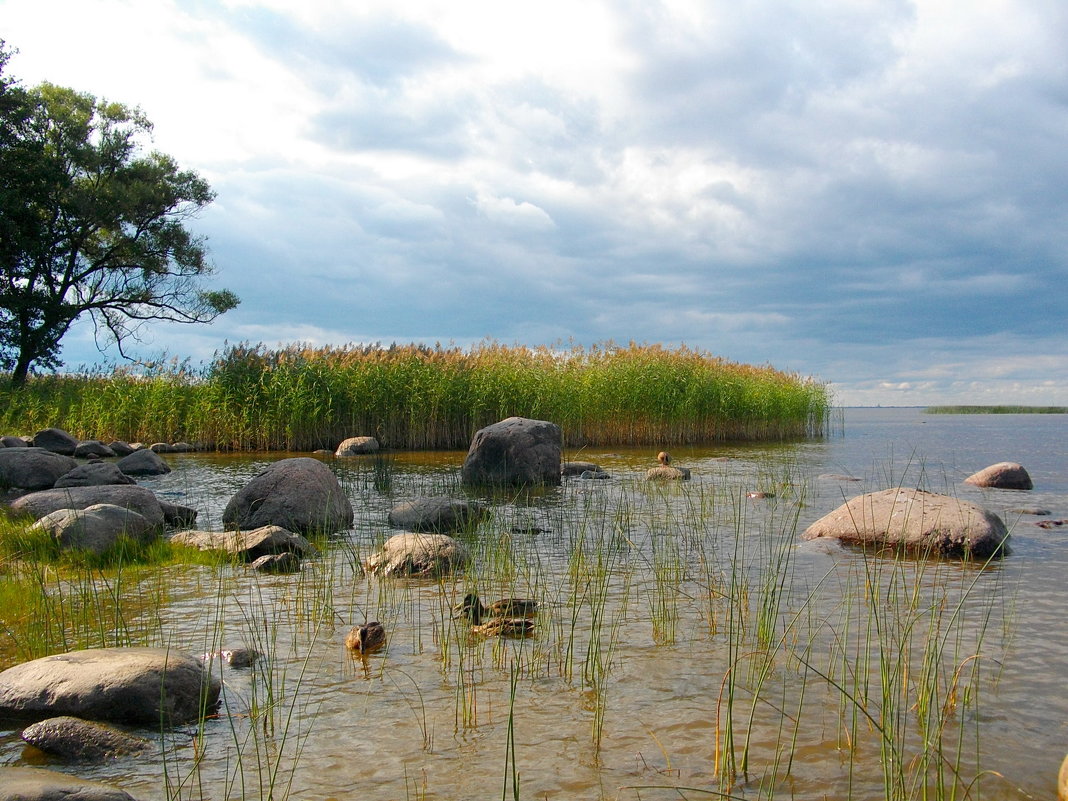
81 740
440 515
38 784
1003 475
514 452
412 554
125 685
915 520
299 494
578 468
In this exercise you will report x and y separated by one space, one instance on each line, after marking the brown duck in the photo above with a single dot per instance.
366 638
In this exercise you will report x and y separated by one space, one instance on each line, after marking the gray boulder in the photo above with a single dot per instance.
277 563
94 474
121 448
177 516
1003 475
144 462
139 499
357 446
299 494
146 686
436 515
514 452
418 555
14 442
917 521
91 449
56 440
95 528
80 740
39 784
33 468
247 545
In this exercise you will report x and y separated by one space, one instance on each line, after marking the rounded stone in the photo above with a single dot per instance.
1003 475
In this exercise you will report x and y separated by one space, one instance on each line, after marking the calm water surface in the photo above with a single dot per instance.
674 619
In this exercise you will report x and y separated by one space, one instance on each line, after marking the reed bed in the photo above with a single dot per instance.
415 397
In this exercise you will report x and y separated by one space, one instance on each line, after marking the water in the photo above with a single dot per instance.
672 619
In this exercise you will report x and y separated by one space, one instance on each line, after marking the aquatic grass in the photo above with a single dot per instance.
416 397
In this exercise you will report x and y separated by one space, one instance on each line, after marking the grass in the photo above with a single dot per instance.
681 629
416 397
996 410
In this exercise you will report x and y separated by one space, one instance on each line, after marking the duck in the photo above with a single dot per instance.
504 627
366 638
475 611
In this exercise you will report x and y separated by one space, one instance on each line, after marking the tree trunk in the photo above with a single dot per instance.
22 369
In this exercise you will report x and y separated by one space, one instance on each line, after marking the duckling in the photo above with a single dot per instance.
474 610
504 627
366 638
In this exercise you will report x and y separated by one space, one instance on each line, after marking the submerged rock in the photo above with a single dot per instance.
82 740
39 784
439 515
578 468
915 520
247 545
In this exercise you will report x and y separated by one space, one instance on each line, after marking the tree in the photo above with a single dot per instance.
91 224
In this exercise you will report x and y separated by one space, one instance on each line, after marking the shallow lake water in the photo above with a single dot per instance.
689 642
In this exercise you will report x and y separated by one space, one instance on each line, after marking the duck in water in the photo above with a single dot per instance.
665 470
508 617
366 638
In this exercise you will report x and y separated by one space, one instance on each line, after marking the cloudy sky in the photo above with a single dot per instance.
870 192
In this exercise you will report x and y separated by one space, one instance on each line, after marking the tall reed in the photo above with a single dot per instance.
416 397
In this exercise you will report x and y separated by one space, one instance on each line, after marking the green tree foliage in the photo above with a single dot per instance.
91 224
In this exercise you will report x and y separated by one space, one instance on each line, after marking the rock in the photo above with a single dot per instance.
97 474
56 440
182 447
578 468
514 452
596 475
666 472
915 520
143 463
1003 475
1051 523
277 563
234 657
177 516
92 448
356 446
38 784
139 499
33 468
299 494
440 515
82 740
95 528
837 477
121 448
247 545
161 447
150 686
421 555
14 442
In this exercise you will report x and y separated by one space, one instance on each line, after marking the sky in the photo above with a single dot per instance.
871 193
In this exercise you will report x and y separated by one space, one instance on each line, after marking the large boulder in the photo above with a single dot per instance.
436 515
144 462
14 442
80 740
917 521
32 468
418 555
94 474
92 449
95 528
146 686
56 440
514 452
39 784
1003 475
139 499
357 446
298 494
247 545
